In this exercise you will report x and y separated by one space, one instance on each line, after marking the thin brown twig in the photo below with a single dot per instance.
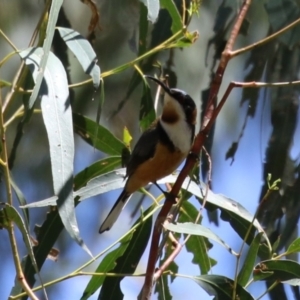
9 41
255 84
170 259
207 188
209 172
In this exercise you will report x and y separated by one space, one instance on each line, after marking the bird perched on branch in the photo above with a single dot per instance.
160 149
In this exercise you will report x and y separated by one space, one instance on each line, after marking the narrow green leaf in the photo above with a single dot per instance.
98 185
197 229
294 246
170 6
22 201
221 287
249 261
99 167
197 245
128 262
83 51
107 264
53 15
51 201
102 184
240 225
279 270
104 141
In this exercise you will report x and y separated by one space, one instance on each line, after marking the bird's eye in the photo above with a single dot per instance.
188 108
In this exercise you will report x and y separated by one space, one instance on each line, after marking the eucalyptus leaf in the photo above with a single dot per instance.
97 136
83 51
57 116
102 184
22 201
221 287
250 259
99 167
106 265
128 262
53 15
197 245
294 246
197 229
51 201
277 270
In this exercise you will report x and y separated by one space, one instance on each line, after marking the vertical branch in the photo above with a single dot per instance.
210 115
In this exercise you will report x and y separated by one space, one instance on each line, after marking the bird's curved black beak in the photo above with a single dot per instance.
162 84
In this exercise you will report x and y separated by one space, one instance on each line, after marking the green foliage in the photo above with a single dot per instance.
47 96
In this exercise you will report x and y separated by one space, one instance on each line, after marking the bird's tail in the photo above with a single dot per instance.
115 212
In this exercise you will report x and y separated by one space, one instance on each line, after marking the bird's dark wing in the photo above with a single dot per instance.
144 149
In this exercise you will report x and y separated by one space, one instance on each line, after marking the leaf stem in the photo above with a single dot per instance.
17 114
9 41
7 57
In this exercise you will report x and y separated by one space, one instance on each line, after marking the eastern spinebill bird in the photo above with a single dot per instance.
160 149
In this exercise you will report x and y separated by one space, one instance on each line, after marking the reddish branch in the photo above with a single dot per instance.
171 258
210 116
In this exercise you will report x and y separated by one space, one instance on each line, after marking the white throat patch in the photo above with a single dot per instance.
179 133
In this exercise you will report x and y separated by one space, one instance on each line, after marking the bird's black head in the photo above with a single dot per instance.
186 102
